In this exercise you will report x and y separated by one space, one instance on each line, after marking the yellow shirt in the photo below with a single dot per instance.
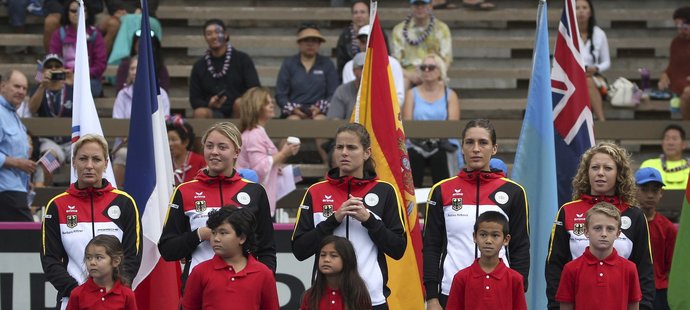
673 180
410 56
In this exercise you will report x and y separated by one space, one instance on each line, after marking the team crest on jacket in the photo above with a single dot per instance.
579 229
456 203
200 205
327 210
72 221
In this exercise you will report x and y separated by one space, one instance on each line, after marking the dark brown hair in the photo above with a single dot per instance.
113 248
364 139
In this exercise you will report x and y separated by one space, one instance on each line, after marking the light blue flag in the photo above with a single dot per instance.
535 162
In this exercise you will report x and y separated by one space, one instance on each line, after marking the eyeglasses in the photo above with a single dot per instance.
427 67
138 33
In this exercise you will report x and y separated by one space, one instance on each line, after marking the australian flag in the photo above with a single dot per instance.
572 112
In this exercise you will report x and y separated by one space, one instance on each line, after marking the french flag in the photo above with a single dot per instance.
84 115
150 181
572 112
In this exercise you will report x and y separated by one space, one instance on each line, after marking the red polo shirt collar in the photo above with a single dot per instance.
251 267
498 273
610 260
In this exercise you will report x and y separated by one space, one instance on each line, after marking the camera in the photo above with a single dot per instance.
58 75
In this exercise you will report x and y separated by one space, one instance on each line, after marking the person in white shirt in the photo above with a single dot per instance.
595 54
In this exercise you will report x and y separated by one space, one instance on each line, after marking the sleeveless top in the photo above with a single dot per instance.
429 111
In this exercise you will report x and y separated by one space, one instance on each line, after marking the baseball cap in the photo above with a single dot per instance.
52 57
496 163
364 31
358 60
646 175
423 1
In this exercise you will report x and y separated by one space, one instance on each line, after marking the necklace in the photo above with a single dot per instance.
181 173
423 36
57 102
676 169
226 63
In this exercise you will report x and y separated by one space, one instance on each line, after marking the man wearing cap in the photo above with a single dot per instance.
662 233
674 168
396 69
52 98
15 166
221 76
418 35
307 81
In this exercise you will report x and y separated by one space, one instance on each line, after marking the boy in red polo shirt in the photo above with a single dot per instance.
233 276
488 283
662 233
600 278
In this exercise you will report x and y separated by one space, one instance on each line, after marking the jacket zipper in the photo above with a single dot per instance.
93 216
476 213
347 218
220 188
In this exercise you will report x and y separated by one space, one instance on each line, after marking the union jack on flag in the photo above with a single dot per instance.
572 112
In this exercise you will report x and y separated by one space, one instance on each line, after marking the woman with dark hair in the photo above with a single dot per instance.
354 204
186 163
64 44
595 54
161 70
604 174
348 44
456 203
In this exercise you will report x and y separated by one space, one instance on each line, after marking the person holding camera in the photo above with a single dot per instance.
221 76
52 98
432 100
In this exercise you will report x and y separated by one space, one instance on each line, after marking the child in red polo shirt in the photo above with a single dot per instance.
662 233
488 283
105 288
338 284
233 278
600 278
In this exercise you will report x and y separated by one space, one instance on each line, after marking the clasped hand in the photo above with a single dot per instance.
352 207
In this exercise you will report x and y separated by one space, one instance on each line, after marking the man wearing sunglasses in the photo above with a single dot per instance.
420 34
676 77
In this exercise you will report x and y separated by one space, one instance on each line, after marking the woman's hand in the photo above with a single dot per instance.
204 233
664 81
433 304
352 207
216 102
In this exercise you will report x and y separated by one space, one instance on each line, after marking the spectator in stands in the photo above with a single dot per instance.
122 109
595 55
130 24
477 5
186 162
64 43
662 232
161 69
420 34
15 165
348 44
220 78
53 10
396 69
431 100
258 151
676 77
604 174
16 10
118 8
307 81
673 166
53 98
345 96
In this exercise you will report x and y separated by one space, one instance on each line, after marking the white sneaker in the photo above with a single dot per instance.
35 9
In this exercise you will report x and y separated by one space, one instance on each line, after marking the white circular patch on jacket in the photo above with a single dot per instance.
243 198
371 199
501 197
625 222
114 212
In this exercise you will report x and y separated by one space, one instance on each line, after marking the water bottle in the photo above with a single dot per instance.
644 79
675 104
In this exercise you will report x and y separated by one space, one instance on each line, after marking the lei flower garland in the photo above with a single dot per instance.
226 63
676 169
425 34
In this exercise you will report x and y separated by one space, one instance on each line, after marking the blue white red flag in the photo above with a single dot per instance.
49 161
84 116
572 112
149 180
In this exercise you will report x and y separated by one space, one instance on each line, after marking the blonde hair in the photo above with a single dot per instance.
227 129
440 65
604 208
625 179
98 139
251 104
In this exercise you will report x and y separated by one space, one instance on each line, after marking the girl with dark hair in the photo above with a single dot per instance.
454 206
232 274
64 44
186 163
595 55
103 258
338 284
354 204
161 70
